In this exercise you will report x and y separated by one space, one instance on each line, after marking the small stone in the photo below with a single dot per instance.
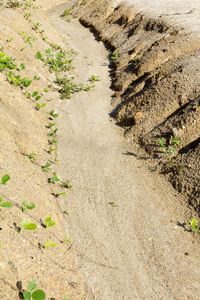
177 133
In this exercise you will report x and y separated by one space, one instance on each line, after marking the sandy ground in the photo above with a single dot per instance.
129 229
182 13
128 221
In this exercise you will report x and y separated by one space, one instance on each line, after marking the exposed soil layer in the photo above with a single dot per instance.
25 31
156 78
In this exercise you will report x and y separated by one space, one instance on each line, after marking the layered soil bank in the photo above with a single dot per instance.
156 79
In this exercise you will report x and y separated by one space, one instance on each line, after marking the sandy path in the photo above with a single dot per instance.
147 255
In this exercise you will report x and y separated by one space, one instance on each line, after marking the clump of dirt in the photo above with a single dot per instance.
156 79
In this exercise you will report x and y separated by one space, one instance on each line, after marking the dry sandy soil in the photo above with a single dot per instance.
122 231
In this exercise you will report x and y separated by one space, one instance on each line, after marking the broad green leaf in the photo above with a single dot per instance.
174 141
27 295
38 295
31 226
53 245
47 165
194 222
24 203
48 219
48 51
32 285
6 204
50 134
31 206
5 178
45 90
0 199
35 94
52 223
0 244
37 98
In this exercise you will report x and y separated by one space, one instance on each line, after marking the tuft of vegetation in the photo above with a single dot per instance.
29 206
194 223
34 295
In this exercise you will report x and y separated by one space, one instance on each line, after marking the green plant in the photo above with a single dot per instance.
53 132
194 223
36 78
6 62
22 66
5 204
68 19
46 167
4 179
27 206
174 165
54 179
49 244
60 193
36 96
66 12
9 40
113 204
52 141
94 78
31 157
68 87
12 3
51 125
27 225
52 114
168 149
49 222
38 106
66 184
115 55
17 80
27 15
37 25
36 295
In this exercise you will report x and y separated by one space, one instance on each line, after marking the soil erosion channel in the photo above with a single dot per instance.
123 217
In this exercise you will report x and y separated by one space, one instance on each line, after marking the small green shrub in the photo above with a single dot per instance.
36 295
54 179
50 244
49 222
27 206
194 223
46 167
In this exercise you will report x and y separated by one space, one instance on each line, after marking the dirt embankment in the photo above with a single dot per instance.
156 79
28 142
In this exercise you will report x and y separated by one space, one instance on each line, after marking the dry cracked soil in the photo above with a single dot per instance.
100 130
